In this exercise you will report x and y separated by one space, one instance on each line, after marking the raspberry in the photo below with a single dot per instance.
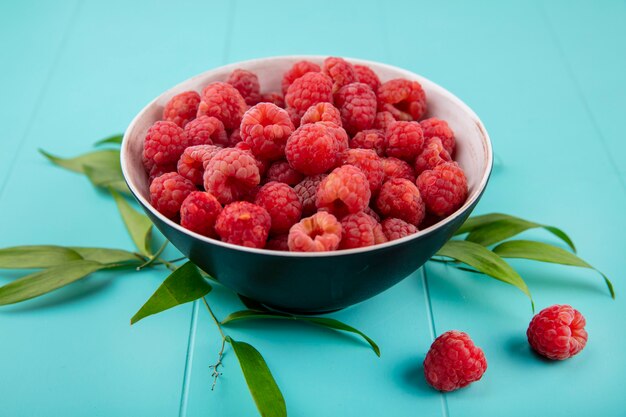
278 243
321 112
296 71
344 191
366 75
222 101
164 143
397 168
370 139
281 171
318 233
395 228
400 198
192 162
247 83
311 149
274 98
206 130
339 134
340 71
444 188
308 90
557 332
158 170
436 127
357 104
260 163
234 138
453 361
266 127
405 140
282 203
307 192
167 193
182 108
199 212
230 174
359 230
432 155
243 223
404 99
369 163
383 120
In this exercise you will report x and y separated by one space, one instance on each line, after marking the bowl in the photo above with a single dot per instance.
313 283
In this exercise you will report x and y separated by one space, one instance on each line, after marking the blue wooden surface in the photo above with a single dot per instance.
545 77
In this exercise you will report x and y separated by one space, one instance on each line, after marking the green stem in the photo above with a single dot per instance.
216 373
153 257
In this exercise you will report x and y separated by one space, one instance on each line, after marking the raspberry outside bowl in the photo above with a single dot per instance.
314 282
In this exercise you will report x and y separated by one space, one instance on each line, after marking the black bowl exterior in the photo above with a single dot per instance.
309 285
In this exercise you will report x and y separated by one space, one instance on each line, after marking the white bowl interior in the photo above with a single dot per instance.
473 151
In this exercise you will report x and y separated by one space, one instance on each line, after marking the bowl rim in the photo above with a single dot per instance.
486 141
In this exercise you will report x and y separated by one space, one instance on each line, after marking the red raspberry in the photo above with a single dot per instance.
308 90
182 108
247 83
192 162
311 149
278 243
404 99
199 212
366 75
274 98
370 139
359 230
164 143
396 228
369 163
453 361
158 170
281 171
321 112
405 140
234 138
296 71
397 168
282 203
243 223
436 127
318 233
357 104
206 130
432 155
167 193
400 198
344 191
444 188
557 332
266 127
340 71
342 142
260 163
383 120
223 101
307 193
231 174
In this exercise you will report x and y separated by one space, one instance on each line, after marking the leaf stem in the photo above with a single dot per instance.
153 257
215 367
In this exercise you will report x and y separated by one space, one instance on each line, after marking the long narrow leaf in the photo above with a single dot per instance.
107 178
43 282
319 321
265 392
138 225
114 140
544 252
106 159
183 285
40 256
107 256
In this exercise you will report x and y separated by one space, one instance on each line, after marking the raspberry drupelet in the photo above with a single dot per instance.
307 192
206 130
281 171
163 145
432 155
344 191
434 127
231 174
400 198
265 128
318 233
193 160
182 108
394 228
405 140
167 193
404 99
311 149
366 75
247 83
243 223
282 204
443 188
308 90
369 163
340 71
321 112
296 71
222 101
557 332
370 139
359 230
199 212
357 105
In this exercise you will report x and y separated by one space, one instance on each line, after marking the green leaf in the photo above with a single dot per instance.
107 178
41 256
107 256
485 261
183 285
103 160
138 225
115 140
496 227
544 252
319 321
265 392
43 282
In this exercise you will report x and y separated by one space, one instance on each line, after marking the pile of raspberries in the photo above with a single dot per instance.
336 160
